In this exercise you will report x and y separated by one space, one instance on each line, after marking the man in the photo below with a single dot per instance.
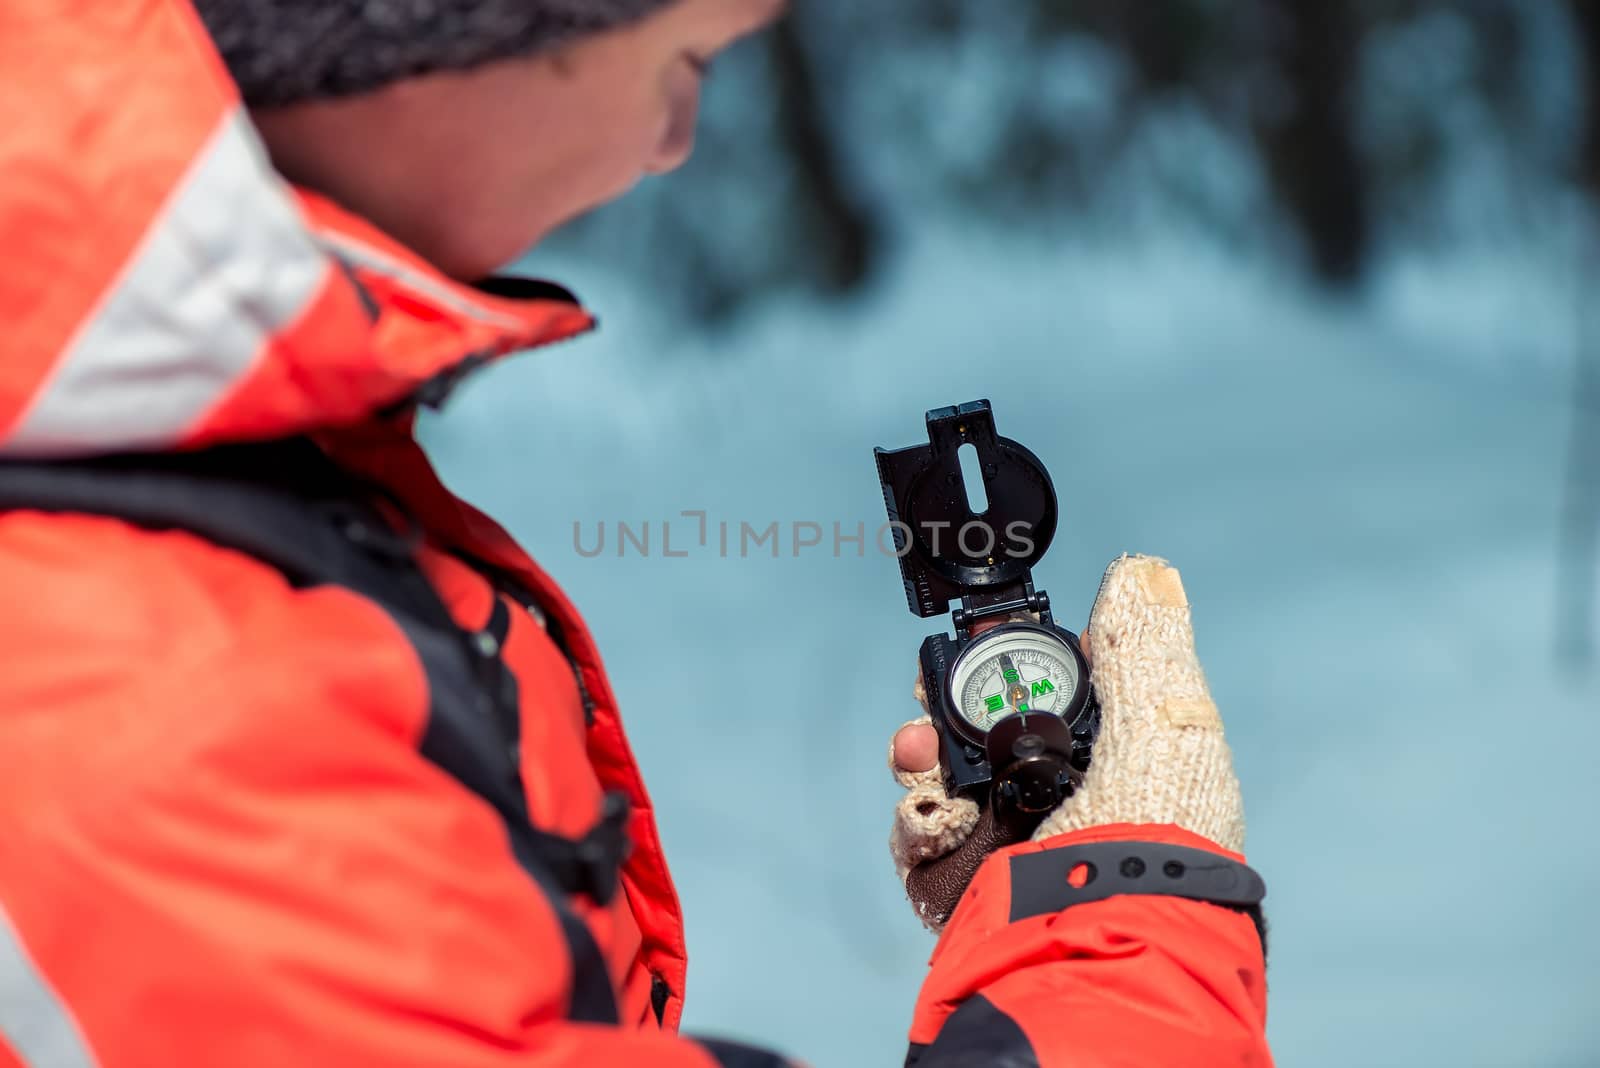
302 760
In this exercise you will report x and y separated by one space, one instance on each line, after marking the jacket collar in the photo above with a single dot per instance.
164 288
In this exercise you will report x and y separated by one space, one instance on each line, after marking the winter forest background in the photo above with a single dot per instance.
1303 296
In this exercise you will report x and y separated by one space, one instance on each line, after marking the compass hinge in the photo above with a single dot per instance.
975 607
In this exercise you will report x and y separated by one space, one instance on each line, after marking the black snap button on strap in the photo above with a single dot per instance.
1059 878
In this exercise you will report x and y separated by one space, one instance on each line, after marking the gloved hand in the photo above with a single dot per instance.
1160 757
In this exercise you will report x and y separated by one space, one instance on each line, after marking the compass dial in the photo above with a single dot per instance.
1024 670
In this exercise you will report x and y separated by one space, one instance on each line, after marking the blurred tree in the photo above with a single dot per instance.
1309 142
1586 19
847 236
1578 573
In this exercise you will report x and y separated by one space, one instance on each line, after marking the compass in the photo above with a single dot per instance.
1009 692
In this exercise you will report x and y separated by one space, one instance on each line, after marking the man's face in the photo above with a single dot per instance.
473 168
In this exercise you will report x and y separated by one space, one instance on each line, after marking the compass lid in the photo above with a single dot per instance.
947 550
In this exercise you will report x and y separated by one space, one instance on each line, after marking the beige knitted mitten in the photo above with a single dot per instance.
1161 756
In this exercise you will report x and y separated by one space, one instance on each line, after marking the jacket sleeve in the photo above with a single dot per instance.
1132 979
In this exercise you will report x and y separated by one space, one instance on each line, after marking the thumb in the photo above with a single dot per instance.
1146 671
1161 756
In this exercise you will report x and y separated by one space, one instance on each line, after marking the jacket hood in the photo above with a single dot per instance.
161 287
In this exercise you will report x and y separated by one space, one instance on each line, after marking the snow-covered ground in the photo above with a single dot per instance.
1363 502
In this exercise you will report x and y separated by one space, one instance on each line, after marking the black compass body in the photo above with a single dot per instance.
1009 693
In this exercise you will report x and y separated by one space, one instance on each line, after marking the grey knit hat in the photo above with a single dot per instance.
283 51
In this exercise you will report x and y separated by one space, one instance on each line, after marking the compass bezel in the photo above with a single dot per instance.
1075 706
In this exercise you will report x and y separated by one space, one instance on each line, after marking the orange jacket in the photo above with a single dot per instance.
236 827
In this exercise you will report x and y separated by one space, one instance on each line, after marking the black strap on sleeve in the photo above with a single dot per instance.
1040 881
978 1032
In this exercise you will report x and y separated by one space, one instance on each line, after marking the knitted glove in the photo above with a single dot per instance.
1160 758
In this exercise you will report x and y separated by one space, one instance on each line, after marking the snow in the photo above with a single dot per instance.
1363 499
